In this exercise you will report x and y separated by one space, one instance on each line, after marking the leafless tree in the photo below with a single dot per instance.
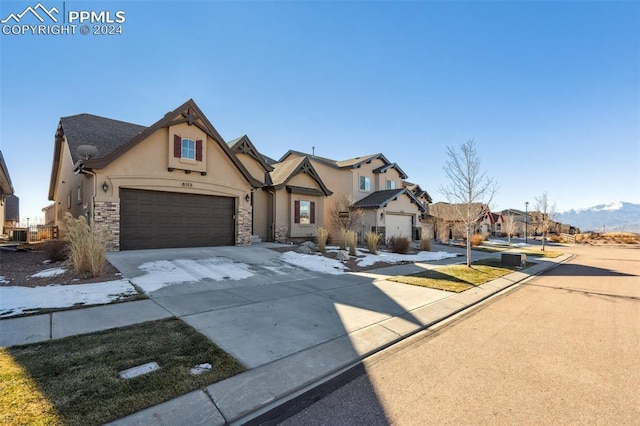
547 214
468 188
509 225
343 215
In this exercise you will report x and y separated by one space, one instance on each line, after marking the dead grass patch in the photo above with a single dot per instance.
77 377
457 278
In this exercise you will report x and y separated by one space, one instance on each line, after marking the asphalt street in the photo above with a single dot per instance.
563 348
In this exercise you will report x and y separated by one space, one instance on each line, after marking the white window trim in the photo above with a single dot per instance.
367 180
182 149
305 220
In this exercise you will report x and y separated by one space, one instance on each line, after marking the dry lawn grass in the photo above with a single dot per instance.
457 278
75 381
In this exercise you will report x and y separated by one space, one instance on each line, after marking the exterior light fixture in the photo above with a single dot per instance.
105 187
247 198
381 215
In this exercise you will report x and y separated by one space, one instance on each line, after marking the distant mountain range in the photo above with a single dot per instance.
614 217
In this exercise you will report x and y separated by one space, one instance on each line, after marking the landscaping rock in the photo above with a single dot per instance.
310 244
342 256
303 249
201 368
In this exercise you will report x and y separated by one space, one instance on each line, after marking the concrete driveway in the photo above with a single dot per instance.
261 309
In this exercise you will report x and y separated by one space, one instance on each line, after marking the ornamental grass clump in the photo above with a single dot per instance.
352 242
87 250
425 243
323 234
399 244
373 241
477 239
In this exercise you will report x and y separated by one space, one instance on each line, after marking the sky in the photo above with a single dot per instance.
549 91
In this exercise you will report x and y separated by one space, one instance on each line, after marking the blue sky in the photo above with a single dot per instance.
549 91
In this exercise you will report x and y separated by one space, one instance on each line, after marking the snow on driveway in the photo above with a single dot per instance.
15 300
166 272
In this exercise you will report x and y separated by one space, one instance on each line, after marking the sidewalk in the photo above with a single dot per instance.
305 363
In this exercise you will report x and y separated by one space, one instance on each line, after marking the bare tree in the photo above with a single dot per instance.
343 215
547 214
509 225
469 187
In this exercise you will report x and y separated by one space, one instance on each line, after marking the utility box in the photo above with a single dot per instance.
514 259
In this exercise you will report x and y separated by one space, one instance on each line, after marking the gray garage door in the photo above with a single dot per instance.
154 219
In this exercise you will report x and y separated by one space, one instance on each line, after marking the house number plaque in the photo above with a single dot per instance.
189 184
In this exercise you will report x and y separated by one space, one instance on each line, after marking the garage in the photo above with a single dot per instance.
398 225
155 219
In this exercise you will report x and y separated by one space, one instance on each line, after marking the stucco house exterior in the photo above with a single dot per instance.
290 204
175 183
448 219
6 191
375 185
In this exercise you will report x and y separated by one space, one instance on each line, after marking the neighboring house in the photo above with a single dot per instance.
291 201
6 191
497 224
173 184
373 184
521 221
49 214
449 221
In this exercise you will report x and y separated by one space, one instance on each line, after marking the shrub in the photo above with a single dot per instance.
425 243
55 250
373 241
476 240
86 247
399 244
323 234
352 242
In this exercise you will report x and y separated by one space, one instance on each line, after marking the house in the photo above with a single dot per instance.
497 224
449 223
290 203
175 183
7 212
373 184
521 221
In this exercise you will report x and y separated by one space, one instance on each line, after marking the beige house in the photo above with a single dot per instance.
290 204
173 184
373 184
6 191
449 224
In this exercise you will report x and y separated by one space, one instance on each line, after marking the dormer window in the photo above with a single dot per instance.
188 149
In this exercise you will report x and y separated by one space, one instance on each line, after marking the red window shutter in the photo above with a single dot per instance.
313 212
177 146
296 211
198 150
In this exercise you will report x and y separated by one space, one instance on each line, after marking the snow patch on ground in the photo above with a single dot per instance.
315 262
3 280
16 300
423 256
47 273
163 273
320 263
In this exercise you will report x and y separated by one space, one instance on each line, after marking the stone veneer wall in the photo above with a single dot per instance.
282 234
243 224
106 219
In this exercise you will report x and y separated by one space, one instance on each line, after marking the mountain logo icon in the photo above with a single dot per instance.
43 11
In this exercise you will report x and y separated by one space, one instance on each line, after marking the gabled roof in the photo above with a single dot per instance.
244 145
383 169
380 199
104 133
284 171
351 163
417 191
113 138
452 212
5 180
514 212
